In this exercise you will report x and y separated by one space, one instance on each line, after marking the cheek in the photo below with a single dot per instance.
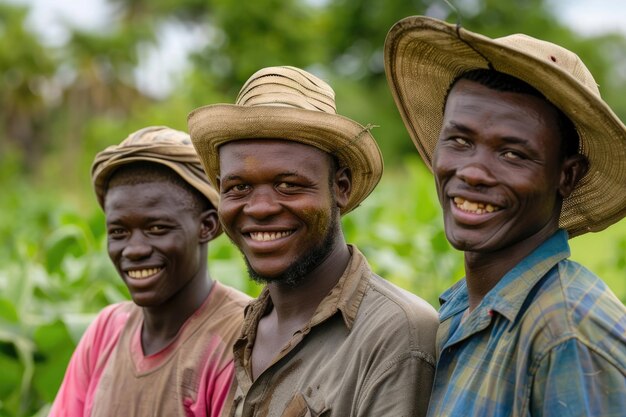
316 218
317 213
225 213
440 173
442 162
114 248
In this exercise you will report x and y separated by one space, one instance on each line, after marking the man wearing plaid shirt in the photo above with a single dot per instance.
525 155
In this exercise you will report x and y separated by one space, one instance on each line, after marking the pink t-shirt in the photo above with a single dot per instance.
108 374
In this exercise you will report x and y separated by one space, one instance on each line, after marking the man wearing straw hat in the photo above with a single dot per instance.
169 352
327 336
525 155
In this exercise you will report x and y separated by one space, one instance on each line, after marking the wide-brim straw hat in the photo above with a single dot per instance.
424 55
290 104
157 144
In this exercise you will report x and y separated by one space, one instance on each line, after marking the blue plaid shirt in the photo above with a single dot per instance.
548 340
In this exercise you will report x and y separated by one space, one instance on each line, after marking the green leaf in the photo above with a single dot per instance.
68 239
8 312
54 349
11 368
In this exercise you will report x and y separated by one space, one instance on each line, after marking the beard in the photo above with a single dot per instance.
297 272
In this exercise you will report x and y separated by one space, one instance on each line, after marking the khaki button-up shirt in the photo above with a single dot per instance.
368 350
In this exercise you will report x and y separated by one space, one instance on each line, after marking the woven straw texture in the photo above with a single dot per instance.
423 56
290 104
158 144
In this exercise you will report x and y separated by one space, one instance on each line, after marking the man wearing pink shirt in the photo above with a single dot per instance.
169 352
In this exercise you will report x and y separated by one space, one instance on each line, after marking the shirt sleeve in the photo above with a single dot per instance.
222 395
84 370
575 380
401 389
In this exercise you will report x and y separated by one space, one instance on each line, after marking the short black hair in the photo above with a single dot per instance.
140 172
499 81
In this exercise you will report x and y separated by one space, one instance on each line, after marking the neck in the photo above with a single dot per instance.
483 271
298 304
162 323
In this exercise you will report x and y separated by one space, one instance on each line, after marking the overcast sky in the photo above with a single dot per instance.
586 16
48 17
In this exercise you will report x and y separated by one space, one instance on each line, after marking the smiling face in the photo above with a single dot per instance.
499 170
156 240
278 207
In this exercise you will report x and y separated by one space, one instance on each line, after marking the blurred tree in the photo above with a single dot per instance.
63 104
26 67
340 40
99 70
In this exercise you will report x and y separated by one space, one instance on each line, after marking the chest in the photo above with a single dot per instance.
177 381
485 368
271 342
307 377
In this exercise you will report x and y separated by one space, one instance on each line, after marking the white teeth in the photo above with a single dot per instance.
473 207
268 236
143 273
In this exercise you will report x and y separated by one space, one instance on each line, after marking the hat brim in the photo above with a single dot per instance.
424 55
101 178
352 144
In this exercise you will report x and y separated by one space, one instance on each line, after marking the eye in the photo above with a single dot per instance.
157 228
285 186
240 187
512 155
116 232
234 188
460 141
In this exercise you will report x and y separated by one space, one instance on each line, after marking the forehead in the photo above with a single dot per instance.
272 155
144 195
474 95
482 108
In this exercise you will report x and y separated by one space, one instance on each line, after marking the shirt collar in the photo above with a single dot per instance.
509 294
345 297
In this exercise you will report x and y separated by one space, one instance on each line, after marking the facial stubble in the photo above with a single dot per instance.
297 272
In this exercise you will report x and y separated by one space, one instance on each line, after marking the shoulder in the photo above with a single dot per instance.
223 313
396 314
104 331
576 304
114 317
400 301
230 299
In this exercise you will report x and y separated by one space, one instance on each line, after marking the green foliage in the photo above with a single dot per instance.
406 246
62 105
59 275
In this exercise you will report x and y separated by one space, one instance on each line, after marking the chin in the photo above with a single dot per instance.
462 243
142 302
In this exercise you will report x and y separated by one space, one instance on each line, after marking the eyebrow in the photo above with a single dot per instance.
151 219
452 125
230 178
279 175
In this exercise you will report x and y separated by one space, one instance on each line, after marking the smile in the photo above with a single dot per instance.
474 207
143 273
269 236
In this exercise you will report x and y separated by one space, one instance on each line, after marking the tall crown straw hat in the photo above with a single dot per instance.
424 55
290 104
157 144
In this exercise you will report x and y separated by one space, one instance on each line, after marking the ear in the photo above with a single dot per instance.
209 225
573 169
342 186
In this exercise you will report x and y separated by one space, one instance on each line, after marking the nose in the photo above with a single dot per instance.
136 247
476 174
262 203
